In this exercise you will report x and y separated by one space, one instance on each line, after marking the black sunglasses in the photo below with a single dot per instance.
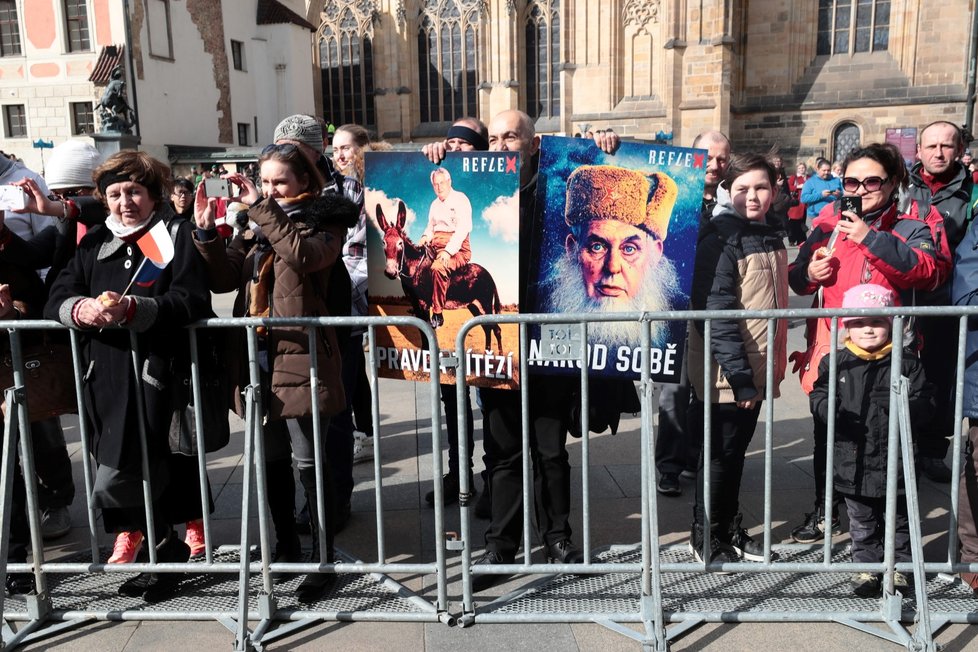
71 192
284 148
871 184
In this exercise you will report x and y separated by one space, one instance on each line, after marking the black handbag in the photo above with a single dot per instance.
48 377
214 394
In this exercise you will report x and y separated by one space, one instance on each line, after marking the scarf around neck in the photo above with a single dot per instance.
862 353
292 205
127 233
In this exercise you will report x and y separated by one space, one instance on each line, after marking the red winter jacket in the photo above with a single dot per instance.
898 253
795 184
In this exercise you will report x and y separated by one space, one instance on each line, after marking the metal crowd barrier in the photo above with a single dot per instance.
656 586
662 588
232 584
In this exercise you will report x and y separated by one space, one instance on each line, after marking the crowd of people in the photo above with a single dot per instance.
870 233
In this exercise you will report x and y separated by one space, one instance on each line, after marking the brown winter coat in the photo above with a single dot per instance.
304 249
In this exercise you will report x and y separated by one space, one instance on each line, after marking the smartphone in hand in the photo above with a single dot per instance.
217 188
851 204
12 198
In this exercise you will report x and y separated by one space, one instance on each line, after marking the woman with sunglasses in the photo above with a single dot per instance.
281 265
878 244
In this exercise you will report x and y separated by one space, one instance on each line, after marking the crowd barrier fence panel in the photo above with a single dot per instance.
659 605
660 602
253 598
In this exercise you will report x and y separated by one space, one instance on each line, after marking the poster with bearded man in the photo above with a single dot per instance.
614 233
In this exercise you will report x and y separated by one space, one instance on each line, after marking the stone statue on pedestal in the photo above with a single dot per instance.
113 109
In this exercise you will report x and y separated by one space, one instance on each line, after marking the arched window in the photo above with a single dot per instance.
448 40
845 140
542 71
846 26
346 62
639 20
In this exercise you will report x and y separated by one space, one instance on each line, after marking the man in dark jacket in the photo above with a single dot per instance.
676 450
940 180
513 131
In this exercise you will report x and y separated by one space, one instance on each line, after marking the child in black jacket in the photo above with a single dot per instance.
862 430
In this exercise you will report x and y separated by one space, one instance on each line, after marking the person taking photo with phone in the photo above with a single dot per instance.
281 267
881 245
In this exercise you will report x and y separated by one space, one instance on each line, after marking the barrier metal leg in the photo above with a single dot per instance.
10 430
923 636
652 588
242 636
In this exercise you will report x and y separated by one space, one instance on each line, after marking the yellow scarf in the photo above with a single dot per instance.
879 354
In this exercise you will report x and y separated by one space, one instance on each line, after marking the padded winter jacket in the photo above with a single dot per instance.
740 265
898 253
305 249
862 415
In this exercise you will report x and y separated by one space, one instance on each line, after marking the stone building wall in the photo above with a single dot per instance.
683 66
790 97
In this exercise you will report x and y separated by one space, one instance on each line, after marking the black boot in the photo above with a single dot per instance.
156 587
317 585
19 583
280 493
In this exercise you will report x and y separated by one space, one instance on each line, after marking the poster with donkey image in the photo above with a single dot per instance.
443 246
614 233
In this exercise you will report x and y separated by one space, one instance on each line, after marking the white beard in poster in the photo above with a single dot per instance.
564 292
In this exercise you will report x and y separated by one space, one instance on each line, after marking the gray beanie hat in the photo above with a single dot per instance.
71 165
302 128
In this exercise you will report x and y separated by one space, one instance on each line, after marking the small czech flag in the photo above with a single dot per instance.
157 247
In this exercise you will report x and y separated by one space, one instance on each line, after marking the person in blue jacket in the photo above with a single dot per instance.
822 188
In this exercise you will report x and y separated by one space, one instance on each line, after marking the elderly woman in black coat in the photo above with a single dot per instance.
89 295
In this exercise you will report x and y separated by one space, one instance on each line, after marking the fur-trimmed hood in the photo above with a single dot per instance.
330 209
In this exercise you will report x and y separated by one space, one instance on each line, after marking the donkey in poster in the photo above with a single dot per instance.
470 286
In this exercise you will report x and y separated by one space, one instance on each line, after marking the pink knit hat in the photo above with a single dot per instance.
867 295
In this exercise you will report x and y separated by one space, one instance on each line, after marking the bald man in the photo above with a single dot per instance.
513 131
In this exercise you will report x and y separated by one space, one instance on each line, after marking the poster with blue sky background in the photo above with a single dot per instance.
399 195
615 233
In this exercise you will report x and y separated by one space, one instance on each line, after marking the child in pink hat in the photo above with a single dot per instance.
862 429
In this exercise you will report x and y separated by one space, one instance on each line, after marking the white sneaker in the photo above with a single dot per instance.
363 447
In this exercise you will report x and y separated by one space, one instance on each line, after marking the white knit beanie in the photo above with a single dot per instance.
302 128
71 165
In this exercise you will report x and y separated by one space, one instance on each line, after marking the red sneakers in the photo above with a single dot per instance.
195 537
127 545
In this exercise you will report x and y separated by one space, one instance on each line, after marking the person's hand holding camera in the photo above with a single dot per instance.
205 209
249 194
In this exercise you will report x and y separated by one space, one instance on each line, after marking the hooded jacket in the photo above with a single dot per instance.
740 265
863 415
304 250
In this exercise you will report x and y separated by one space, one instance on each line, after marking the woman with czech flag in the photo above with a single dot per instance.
136 273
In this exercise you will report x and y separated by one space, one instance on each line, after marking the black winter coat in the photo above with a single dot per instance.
862 417
177 298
